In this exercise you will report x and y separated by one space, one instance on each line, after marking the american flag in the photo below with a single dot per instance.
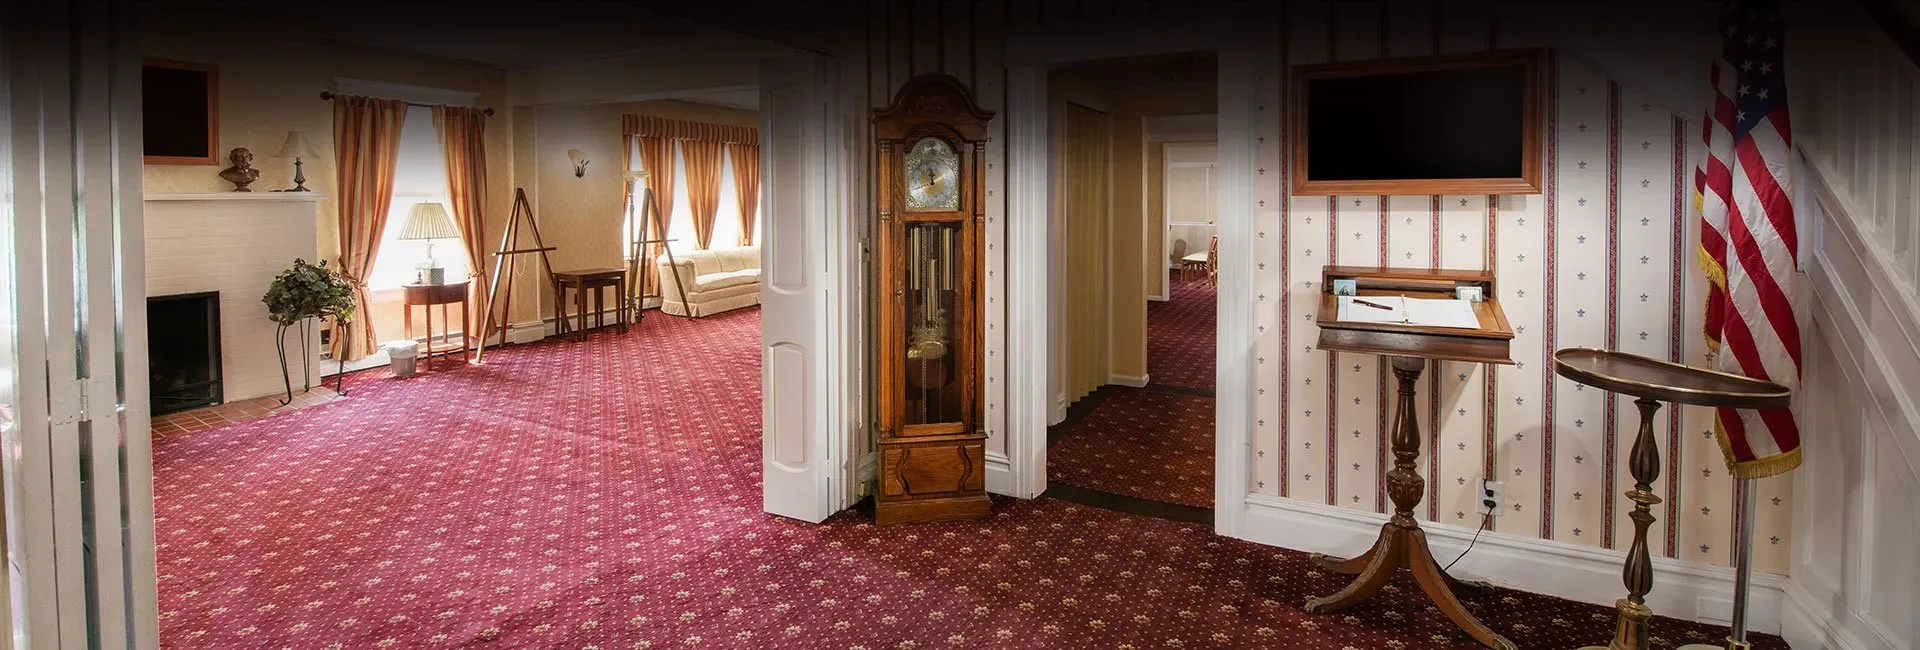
1748 246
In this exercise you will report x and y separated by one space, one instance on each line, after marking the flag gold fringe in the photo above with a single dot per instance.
1774 465
1716 274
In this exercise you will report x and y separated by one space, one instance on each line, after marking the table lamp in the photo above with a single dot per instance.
427 222
296 148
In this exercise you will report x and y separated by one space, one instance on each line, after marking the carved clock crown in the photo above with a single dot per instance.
933 98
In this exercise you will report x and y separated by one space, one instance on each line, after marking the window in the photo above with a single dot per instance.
726 219
419 176
680 222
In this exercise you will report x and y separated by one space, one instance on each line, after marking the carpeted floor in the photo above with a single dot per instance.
1180 330
1140 442
607 495
1154 443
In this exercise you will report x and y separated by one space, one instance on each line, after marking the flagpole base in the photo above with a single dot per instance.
1731 645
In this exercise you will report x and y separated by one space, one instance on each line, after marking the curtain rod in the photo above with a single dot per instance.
328 96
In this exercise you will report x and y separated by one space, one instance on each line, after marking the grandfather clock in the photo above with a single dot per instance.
927 304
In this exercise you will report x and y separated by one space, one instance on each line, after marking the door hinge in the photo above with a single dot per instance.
75 401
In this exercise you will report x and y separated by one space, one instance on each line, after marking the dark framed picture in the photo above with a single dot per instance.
180 113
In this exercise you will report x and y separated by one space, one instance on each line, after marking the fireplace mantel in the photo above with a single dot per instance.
235 243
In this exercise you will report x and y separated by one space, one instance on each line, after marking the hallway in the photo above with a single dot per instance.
1153 443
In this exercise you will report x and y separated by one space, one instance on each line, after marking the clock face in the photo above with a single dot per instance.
932 176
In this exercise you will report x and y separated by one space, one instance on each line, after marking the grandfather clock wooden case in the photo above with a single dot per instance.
927 304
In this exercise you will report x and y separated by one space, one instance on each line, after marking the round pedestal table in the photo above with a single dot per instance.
1650 382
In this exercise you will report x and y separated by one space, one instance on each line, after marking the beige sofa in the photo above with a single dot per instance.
716 280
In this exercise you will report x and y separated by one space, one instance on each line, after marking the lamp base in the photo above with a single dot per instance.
299 178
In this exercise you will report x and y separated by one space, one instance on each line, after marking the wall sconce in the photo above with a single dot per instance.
580 161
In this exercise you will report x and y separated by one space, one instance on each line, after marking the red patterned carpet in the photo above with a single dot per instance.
606 495
1140 442
1180 348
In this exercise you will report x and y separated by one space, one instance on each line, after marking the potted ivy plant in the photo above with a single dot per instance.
299 295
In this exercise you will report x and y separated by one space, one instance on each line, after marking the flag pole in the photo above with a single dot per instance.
1742 564
1742 568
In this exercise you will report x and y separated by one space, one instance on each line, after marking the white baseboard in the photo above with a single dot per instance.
1575 572
527 332
1000 475
1126 380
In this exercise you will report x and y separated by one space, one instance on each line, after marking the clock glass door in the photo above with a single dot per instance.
932 352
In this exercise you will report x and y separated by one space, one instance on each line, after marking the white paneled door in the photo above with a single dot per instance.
810 409
77 471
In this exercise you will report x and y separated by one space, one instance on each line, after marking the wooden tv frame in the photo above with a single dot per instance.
213 154
1532 59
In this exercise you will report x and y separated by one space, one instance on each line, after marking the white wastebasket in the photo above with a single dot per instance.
403 355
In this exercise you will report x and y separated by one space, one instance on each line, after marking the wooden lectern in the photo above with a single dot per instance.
1401 543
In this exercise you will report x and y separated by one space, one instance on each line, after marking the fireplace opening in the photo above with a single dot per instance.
183 351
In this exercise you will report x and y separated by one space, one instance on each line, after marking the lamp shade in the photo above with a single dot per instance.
297 147
428 221
636 174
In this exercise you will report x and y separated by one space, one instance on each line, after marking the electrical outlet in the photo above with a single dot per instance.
1493 498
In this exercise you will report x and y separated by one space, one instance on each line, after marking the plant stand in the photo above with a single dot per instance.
306 358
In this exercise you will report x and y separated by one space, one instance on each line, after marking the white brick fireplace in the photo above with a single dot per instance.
235 243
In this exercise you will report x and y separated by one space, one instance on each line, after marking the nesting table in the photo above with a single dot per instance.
583 281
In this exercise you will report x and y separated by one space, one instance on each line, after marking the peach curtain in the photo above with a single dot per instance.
656 156
704 160
366 145
462 132
648 126
746 183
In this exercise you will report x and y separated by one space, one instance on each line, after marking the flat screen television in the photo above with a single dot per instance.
1451 124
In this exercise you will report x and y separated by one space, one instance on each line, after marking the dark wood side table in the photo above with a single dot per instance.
1653 381
583 281
1402 544
428 295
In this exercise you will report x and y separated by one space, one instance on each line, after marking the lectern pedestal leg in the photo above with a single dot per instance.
1402 543
1630 623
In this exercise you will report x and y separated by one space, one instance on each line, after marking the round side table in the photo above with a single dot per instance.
1652 381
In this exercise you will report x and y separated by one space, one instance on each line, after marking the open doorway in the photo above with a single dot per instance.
1134 169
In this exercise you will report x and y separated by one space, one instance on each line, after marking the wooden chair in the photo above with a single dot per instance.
1213 260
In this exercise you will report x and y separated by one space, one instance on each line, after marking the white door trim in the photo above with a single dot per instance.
1235 361
71 121
1028 270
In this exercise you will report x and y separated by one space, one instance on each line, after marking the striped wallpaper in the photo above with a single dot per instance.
1601 257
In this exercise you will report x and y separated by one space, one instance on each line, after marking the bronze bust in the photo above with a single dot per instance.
242 173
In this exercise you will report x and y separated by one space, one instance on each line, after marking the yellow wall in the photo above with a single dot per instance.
267 91
1130 93
583 216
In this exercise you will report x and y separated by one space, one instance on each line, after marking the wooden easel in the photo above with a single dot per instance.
506 256
638 259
